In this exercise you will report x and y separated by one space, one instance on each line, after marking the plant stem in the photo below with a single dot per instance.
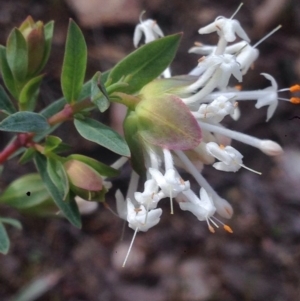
25 139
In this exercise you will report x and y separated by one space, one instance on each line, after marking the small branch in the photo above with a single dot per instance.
25 139
21 140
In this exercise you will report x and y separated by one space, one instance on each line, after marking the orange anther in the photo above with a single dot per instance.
295 100
228 229
201 59
211 229
295 88
198 44
238 87
221 146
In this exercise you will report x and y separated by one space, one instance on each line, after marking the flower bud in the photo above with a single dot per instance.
34 35
85 181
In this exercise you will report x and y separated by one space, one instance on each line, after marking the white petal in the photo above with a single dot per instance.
137 35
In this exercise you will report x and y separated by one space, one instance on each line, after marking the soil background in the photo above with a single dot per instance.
178 260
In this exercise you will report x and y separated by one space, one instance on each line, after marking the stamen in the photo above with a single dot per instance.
295 100
198 44
237 10
227 228
210 228
106 206
238 87
295 88
128 252
244 166
266 36
171 202
201 59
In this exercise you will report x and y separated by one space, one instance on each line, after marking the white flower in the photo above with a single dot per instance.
216 110
227 28
150 29
270 97
121 205
231 159
170 183
150 197
203 207
219 68
136 217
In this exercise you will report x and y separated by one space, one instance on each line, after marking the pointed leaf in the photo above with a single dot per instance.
58 176
7 75
101 134
26 192
51 143
4 240
68 208
29 93
98 93
146 63
16 53
27 156
23 122
48 32
6 106
74 64
11 221
168 123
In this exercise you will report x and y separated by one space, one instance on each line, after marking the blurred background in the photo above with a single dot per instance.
179 259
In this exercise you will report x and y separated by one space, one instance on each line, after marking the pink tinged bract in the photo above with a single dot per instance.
167 122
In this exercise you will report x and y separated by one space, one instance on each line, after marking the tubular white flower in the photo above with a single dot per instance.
224 209
227 28
170 183
217 75
150 29
216 110
231 159
136 217
265 97
150 197
203 207
269 147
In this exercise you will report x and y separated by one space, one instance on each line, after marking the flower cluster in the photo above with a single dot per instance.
206 97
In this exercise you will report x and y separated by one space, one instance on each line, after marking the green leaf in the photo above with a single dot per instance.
23 122
26 192
4 240
68 208
101 168
58 176
101 134
74 65
11 221
167 122
98 93
48 31
6 106
29 93
16 53
51 143
146 63
27 156
7 75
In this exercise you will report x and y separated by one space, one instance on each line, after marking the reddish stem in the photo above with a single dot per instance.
25 139
20 141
